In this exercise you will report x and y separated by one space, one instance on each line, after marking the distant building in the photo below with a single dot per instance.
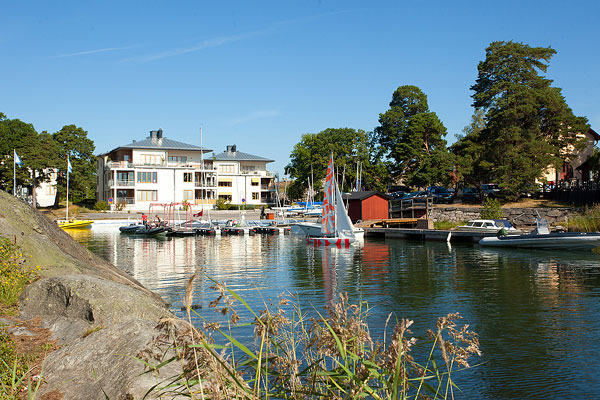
577 167
161 170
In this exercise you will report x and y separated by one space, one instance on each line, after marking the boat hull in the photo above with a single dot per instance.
74 224
570 241
313 229
330 241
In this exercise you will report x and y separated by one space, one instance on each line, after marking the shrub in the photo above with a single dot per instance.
221 204
15 274
491 209
120 206
101 206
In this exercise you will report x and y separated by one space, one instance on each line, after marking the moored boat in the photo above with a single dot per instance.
490 226
336 227
542 238
130 228
74 223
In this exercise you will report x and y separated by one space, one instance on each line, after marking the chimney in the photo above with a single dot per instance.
231 148
159 133
153 134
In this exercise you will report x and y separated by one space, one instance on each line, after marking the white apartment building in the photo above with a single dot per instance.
161 170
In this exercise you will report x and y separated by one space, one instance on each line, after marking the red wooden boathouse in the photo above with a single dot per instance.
367 205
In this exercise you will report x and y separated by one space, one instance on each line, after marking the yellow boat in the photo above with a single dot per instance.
72 224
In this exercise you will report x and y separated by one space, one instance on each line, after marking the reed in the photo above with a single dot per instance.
295 356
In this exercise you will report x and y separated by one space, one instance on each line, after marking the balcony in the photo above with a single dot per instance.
118 182
212 185
119 164
125 200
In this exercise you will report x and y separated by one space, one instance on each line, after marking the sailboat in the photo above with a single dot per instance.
336 227
72 223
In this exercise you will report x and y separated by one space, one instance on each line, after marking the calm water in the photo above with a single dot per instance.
537 313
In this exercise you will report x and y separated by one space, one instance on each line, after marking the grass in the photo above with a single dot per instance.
446 225
15 370
587 221
328 355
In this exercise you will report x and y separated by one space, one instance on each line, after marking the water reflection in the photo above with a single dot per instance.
537 312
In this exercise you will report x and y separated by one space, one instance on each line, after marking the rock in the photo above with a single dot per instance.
104 364
89 299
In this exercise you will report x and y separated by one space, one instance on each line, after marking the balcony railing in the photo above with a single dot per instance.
206 184
120 182
125 200
128 164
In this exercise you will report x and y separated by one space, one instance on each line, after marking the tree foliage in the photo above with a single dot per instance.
412 138
309 159
469 151
42 153
73 142
528 123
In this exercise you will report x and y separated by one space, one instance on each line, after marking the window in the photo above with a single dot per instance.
255 196
255 183
152 159
226 197
225 184
125 178
178 159
188 195
146 177
51 190
227 168
146 195
188 177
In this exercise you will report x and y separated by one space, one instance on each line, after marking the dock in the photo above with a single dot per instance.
427 234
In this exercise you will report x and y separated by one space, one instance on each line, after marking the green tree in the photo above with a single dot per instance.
469 152
529 126
73 141
309 159
412 138
37 152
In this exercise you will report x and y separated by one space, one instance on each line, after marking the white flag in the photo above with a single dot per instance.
69 168
17 159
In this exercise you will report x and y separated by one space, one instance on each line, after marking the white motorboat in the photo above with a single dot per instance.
542 238
490 226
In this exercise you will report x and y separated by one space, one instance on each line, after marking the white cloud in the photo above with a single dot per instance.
256 115
82 53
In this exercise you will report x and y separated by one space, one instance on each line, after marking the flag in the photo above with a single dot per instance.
17 159
69 168
199 214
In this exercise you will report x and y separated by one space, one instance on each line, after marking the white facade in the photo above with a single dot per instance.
159 170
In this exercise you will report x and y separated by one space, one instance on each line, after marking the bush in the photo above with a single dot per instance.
14 273
221 204
101 206
491 209
120 206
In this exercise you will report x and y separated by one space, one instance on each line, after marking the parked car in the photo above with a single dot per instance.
416 197
490 190
470 195
440 194
397 195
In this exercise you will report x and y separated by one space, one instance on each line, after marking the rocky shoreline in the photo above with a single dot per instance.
99 317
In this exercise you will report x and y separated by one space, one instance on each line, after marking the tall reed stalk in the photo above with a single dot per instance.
327 356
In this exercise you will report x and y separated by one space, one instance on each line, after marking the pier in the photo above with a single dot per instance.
427 234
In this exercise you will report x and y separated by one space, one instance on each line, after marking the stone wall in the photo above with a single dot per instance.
517 216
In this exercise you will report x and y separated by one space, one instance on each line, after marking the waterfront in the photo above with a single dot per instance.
537 312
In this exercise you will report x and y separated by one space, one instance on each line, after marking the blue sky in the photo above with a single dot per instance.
260 74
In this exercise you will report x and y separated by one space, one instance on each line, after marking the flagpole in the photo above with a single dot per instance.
14 173
68 187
